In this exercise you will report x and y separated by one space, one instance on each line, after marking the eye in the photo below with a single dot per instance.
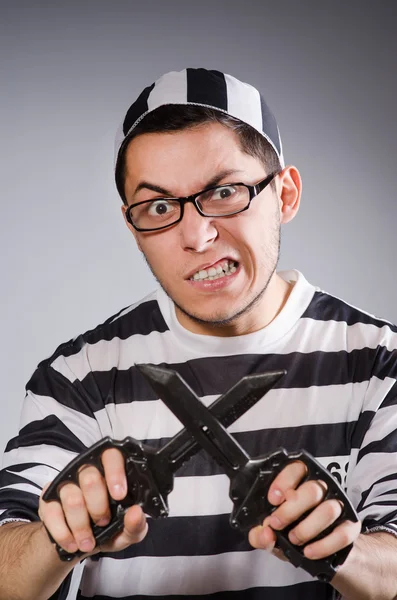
223 192
158 208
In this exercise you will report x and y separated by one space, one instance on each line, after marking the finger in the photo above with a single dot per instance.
319 519
114 467
135 524
95 493
135 529
51 514
343 535
262 537
289 477
42 503
297 502
77 517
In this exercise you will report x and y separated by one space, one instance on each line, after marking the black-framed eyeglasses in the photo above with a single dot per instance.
221 201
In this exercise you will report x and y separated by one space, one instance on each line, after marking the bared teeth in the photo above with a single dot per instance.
226 268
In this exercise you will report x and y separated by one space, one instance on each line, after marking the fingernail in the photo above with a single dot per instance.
294 539
142 523
264 541
103 521
87 545
276 495
275 522
310 553
72 547
120 490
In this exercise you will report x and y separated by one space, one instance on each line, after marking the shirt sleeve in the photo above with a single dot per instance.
56 424
372 475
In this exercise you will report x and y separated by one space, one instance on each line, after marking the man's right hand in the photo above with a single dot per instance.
68 521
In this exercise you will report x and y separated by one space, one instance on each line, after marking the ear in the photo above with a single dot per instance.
289 189
130 227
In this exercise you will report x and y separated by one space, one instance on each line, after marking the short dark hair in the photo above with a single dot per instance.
174 117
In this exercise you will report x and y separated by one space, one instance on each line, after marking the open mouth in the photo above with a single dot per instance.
224 269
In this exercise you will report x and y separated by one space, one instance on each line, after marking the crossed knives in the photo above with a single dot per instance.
150 472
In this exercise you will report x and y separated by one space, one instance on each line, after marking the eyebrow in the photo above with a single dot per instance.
160 190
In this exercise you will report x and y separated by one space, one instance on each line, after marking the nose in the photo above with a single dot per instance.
197 232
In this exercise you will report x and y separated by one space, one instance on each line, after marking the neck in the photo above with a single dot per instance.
256 317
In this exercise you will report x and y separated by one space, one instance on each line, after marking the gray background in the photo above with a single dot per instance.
68 72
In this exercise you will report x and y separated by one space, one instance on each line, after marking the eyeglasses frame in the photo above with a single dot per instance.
253 190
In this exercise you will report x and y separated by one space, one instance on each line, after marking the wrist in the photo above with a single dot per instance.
49 548
369 570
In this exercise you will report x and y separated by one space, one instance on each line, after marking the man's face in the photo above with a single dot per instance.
186 162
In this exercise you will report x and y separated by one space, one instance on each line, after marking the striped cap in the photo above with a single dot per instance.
211 89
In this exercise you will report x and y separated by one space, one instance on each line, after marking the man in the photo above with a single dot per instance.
200 170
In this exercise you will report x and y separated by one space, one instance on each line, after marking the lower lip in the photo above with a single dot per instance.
212 285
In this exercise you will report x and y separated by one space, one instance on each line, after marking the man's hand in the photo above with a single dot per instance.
293 499
68 521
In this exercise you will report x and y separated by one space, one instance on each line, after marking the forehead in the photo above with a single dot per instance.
195 154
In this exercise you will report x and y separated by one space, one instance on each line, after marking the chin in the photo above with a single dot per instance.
212 318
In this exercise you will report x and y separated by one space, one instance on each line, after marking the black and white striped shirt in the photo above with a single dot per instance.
337 401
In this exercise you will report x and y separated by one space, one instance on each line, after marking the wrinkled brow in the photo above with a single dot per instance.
160 190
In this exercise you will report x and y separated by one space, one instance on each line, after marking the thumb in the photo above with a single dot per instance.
135 524
135 529
41 501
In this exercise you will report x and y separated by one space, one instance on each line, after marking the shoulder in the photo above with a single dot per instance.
138 319
360 345
334 312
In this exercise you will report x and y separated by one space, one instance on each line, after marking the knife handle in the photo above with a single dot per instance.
250 510
141 485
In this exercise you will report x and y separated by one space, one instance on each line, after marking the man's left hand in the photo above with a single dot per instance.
293 499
